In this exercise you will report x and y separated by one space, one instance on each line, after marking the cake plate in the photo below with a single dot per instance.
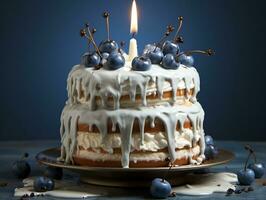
131 177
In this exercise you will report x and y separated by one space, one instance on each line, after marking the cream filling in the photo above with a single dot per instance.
151 142
142 156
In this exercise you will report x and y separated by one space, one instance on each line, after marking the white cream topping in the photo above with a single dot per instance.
151 142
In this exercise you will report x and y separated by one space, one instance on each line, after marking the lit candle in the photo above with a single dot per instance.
133 48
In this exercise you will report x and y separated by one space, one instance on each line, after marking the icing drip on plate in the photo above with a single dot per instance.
200 184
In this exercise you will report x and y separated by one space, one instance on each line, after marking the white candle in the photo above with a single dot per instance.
133 47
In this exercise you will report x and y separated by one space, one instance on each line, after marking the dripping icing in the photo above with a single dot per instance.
124 118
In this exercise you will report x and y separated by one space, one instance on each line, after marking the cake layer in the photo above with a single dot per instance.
169 115
140 159
152 142
125 88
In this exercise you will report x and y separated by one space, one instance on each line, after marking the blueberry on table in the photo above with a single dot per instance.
53 172
160 188
258 168
21 168
141 63
245 176
43 184
169 62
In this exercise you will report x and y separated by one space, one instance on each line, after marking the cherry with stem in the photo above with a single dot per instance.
169 29
248 148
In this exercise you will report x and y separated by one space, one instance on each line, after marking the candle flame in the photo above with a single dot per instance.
134 18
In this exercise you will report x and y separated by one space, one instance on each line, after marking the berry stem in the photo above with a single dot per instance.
247 147
255 157
180 22
169 29
92 40
208 52
106 16
108 28
89 40
246 163
167 172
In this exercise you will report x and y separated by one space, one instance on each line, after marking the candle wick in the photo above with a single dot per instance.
133 34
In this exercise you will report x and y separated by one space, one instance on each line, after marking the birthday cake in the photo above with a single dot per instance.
133 113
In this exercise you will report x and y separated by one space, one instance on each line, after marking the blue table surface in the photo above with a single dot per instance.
12 150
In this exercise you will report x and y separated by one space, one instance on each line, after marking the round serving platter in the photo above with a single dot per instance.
130 177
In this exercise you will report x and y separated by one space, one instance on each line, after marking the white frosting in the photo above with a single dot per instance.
99 85
124 118
151 141
105 83
198 184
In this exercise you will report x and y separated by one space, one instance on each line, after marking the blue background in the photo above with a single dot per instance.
40 43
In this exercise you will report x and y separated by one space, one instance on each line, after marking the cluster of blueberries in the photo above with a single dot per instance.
251 171
165 53
110 56
21 169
